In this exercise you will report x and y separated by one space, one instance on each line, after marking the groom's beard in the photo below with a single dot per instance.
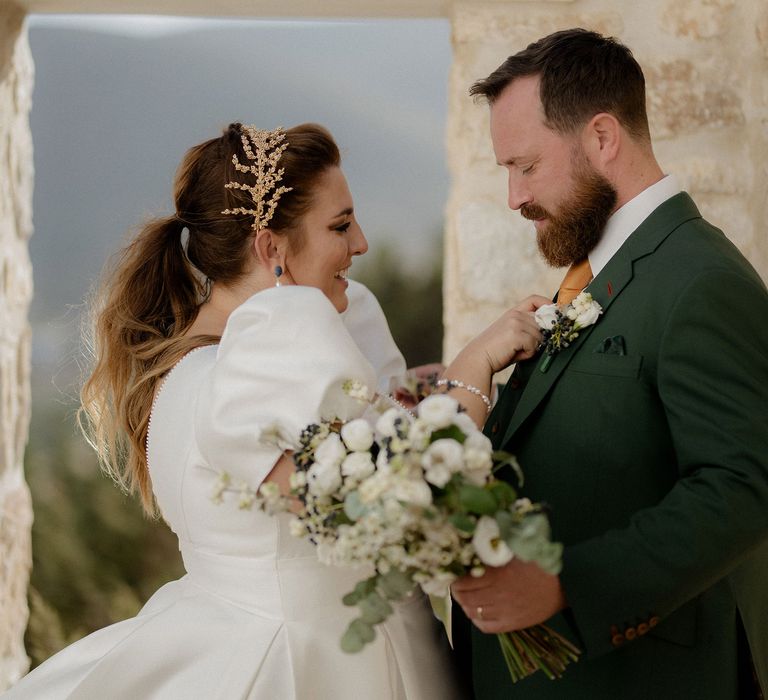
571 235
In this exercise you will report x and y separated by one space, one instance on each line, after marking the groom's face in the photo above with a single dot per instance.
550 179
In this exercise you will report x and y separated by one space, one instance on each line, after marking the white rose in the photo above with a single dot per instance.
464 423
439 585
478 466
330 450
438 474
413 491
438 410
588 315
444 451
357 435
324 478
490 548
385 426
546 316
571 313
358 465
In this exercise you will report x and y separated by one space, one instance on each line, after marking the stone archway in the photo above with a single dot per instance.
706 63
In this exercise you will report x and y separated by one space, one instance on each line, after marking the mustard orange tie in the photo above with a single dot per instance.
578 276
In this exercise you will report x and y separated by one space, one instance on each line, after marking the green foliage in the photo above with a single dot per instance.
412 303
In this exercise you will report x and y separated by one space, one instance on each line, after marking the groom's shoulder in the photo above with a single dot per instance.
697 246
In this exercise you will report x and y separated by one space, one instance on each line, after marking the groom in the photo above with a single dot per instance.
648 436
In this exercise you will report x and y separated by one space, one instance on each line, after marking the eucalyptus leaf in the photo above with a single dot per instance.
351 643
354 508
374 608
505 521
462 522
504 493
395 584
477 500
452 432
505 459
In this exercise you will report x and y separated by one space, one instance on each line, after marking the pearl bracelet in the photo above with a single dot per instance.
458 384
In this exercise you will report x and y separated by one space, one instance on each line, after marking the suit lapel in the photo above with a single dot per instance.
605 288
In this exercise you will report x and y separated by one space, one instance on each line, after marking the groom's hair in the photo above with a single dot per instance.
582 73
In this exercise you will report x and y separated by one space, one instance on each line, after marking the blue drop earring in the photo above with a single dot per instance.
278 275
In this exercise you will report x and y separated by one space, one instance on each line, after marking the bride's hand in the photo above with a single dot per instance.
513 337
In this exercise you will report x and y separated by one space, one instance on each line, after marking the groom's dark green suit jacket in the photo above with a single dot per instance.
649 439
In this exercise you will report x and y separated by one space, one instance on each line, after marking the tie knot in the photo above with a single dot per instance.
578 276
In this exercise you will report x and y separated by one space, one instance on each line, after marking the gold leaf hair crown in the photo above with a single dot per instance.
264 149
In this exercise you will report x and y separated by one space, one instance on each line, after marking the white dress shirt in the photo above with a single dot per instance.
625 220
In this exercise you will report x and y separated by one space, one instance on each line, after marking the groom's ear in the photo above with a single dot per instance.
268 248
602 139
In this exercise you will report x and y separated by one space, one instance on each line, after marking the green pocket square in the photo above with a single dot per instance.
612 346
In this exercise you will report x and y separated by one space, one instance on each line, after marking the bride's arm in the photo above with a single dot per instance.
511 338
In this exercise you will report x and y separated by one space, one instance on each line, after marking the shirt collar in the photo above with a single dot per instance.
625 220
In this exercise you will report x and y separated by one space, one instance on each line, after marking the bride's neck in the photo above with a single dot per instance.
214 313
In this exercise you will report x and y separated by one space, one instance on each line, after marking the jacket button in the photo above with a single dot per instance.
630 633
514 383
642 629
653 621
495 428
617 640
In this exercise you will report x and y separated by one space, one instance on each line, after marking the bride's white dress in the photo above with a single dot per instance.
256 615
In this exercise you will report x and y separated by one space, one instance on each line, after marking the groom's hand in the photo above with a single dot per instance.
511 597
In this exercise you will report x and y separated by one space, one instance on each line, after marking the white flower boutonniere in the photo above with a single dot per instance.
561 326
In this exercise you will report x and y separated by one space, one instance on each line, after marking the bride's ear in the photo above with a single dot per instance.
269 248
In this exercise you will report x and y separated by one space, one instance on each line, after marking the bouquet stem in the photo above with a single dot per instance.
536 648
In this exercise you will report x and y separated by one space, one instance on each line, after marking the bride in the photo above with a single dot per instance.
213 326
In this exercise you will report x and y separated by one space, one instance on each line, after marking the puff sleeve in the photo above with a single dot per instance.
280 366
368 326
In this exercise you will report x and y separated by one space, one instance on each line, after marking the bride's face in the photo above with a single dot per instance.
332 237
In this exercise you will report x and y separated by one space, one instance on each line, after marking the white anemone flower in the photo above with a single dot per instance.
438 410
441 459
358 465
490 548
357 435
324 478
385 426
331 450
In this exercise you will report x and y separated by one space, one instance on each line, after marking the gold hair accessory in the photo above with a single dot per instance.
264 148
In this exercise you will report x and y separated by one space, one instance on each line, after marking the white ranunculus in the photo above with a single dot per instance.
357 435
331 450
441 459
438 474
464 423
490 548
477 466
571 313
358 465
438 410
588 315
546 316
439 585
386 424
413 491
478 441
324 478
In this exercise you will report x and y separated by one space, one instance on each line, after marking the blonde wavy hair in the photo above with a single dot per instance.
151 291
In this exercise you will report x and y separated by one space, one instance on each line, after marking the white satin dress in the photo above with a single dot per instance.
256 615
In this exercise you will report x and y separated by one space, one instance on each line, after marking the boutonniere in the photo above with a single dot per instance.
561 326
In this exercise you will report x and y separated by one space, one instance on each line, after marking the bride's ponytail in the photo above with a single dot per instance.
149 296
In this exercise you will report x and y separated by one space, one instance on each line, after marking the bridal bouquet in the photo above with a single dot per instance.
415 499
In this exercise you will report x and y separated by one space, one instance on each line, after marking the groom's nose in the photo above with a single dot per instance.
517 193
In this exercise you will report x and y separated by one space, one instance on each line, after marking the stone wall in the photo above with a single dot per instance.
15 294
705 63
